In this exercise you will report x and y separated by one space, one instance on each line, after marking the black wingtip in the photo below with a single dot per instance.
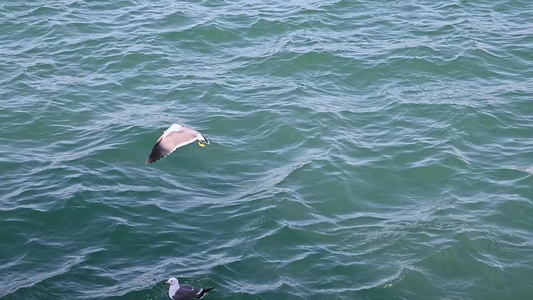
204 291
156 154
151 159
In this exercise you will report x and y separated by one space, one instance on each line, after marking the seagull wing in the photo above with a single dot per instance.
187 292
166 144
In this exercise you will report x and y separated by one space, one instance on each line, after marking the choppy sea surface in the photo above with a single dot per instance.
359 149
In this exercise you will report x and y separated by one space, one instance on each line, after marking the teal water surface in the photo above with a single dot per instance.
359 149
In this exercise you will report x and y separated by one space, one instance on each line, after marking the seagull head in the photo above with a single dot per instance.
202 140
172 281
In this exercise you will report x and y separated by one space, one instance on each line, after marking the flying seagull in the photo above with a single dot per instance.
185 292
174 137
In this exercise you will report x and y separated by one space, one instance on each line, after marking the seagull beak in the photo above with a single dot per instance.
165 282
201 144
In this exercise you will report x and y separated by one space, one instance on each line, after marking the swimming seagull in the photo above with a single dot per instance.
174 137
185 292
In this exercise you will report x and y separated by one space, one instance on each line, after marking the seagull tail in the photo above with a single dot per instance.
203 292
